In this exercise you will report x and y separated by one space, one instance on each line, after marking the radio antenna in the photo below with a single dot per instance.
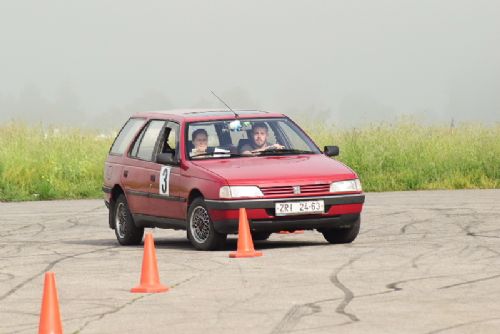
235 114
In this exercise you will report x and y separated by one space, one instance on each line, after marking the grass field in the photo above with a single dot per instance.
411 156
46 163
39 163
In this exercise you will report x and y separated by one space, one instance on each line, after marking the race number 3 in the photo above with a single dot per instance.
165 180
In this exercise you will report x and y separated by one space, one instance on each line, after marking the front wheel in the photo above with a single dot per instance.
200 229
342 235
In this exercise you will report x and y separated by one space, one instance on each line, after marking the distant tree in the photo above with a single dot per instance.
30 105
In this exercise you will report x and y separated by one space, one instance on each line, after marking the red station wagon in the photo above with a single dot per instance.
194 170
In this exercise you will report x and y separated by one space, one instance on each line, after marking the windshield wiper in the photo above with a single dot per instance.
283 151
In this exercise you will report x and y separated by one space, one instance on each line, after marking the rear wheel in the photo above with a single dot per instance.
342 235
200 229
125 230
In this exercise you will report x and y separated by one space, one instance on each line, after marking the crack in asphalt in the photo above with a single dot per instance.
293 317
490 250
297 312
415 259
414 222
482 236
348 294
470 282
394 285
104 314
462 325
47 268
128 303
15 231
8 276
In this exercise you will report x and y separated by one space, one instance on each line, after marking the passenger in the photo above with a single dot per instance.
200 142
259 140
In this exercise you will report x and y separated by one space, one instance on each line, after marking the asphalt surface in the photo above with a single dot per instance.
425 262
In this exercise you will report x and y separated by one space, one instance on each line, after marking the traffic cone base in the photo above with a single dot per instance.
150 278
150 289
244 254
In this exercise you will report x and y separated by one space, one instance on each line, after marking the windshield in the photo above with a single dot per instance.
246 137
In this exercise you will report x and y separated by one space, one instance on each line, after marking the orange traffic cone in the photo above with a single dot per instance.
50 318
150 279
245 242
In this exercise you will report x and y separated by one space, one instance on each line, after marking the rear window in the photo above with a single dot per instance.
125 136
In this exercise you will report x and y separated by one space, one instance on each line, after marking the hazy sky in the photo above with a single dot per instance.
350 60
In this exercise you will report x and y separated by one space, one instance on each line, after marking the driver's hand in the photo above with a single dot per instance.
277 146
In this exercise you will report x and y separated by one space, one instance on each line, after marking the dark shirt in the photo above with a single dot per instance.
251 147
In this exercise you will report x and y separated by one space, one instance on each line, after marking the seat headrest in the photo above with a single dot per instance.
243 142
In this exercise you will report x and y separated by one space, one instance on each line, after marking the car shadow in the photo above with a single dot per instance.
93 242
231 244
184 244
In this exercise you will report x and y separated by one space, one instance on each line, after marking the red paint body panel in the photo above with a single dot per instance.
277 170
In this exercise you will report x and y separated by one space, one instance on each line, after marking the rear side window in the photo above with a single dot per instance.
125 136
146 143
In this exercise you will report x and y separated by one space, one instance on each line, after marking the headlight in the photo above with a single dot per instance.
349 185
240 191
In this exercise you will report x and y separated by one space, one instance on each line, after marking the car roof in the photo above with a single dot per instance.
190 115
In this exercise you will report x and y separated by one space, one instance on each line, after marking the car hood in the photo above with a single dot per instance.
274 170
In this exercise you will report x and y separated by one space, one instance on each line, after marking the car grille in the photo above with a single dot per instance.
288 190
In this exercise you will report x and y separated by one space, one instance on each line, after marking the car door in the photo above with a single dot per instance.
164 196
137 174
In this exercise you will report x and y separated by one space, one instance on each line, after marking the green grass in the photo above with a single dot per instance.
38 163
408 155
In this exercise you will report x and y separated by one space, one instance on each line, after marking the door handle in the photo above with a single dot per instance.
125 173
153 178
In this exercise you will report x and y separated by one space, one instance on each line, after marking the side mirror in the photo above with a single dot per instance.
331 151
167 159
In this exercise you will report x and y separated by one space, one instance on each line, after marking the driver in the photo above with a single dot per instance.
200 142
259 140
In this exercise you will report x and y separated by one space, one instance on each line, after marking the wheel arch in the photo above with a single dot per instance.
194 193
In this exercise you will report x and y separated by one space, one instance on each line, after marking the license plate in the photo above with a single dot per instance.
299 208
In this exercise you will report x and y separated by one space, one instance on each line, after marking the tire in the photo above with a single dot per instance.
200 229
342 235
125 230
259 236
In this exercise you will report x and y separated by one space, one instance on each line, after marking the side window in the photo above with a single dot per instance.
125 136
146 142
170 139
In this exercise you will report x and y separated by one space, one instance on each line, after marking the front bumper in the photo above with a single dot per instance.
266 203
290 224
341 211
